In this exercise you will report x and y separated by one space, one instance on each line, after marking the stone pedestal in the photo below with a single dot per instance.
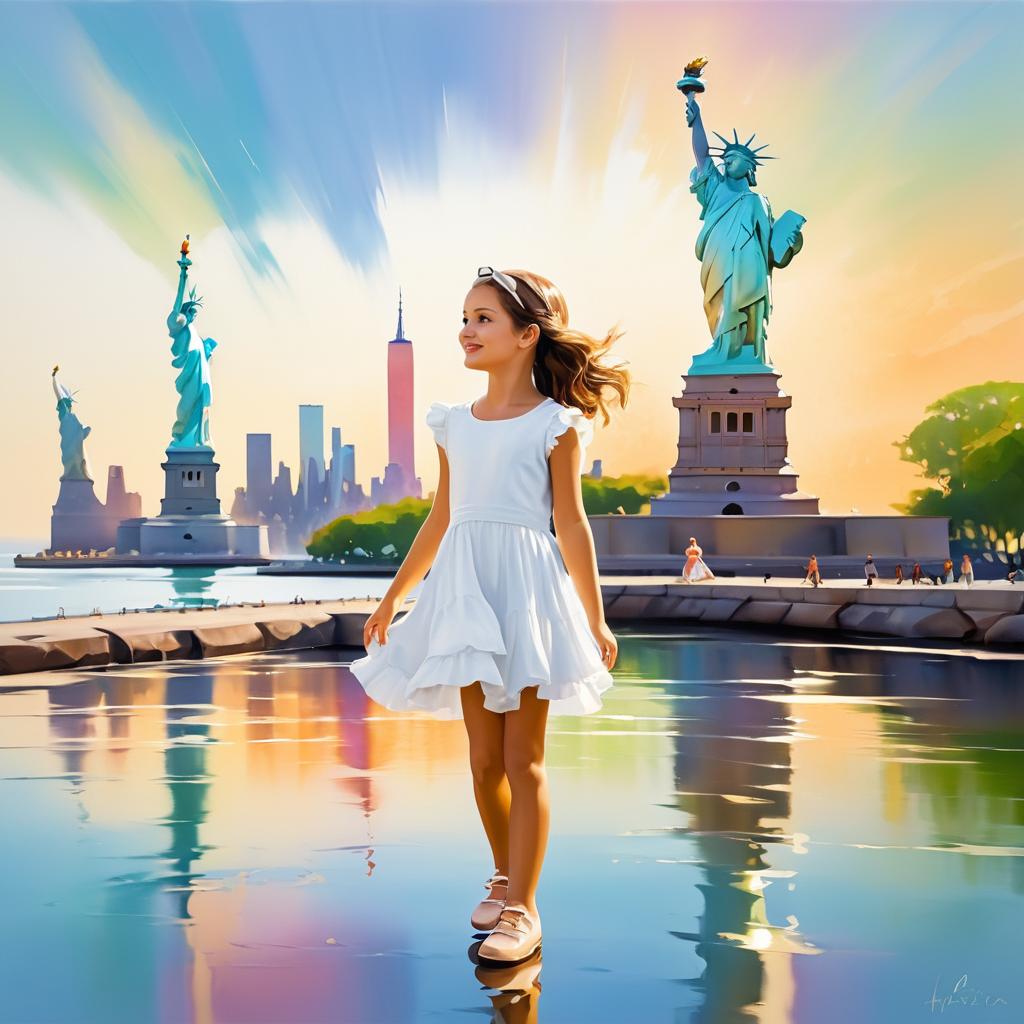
190 482
732 453
191 525
80 521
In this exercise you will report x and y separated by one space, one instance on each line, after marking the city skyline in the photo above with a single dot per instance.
301 235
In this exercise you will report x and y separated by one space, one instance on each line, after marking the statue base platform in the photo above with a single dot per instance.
191 536
779 544
734 490
732 450
80 521
191 524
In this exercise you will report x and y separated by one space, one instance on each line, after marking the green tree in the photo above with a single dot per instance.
372 531
632 492
972 447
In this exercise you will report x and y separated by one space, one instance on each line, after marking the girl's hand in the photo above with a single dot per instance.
607 642
378 622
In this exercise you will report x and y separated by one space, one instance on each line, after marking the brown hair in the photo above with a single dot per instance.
567 364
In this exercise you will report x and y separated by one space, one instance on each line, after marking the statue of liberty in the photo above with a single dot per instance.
739 244
191 355
72 433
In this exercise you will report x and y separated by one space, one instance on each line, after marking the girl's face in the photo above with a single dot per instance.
488 336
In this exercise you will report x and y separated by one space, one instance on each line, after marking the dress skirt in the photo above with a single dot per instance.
498 607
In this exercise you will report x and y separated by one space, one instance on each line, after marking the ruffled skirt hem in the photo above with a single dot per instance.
498 607
389 686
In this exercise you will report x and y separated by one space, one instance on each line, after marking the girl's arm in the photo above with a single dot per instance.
424 548
572 529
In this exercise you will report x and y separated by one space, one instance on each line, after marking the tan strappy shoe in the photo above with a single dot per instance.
488 910
516 937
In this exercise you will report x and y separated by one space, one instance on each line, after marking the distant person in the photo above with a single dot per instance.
899 574
966 570
813 574
1014 574
870 570
915 574
695 569
947 571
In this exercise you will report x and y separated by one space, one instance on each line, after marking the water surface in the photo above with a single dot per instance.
752 829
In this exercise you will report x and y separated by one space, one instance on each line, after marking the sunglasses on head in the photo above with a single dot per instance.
488 275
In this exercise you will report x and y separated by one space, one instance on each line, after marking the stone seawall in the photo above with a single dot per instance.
983 614
95 640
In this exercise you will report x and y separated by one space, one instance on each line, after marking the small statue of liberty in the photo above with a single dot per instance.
191 355
72 433
739 244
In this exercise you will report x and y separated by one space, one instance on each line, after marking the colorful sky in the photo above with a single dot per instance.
322 155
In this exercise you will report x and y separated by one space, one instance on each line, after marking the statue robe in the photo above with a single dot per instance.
733 249
72 442
191 353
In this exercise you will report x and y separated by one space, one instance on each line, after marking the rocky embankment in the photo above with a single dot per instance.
987 613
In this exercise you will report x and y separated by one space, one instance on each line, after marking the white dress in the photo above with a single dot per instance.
497 605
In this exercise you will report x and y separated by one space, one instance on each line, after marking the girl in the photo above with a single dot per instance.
504 629
695 568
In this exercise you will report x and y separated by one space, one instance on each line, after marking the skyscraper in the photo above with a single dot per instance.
311 439
400 403
335 473
259 471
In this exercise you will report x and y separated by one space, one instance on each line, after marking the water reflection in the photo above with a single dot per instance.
192 587
752 830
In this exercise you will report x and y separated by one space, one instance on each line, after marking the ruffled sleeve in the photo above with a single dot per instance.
561 420
437 420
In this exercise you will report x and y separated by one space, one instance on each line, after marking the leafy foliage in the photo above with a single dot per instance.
972 446
632 492
370 532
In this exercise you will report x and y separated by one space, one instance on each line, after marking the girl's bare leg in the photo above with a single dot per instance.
486 731
527 776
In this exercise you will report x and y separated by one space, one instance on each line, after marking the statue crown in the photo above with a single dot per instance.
743 148
193 302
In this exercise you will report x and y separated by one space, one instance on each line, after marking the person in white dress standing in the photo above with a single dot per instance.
696 568
509 623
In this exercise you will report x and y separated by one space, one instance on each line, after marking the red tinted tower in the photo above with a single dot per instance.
400 402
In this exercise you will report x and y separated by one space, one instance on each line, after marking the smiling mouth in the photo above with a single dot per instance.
473 348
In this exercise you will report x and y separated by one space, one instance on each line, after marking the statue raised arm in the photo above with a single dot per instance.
184 263
701 152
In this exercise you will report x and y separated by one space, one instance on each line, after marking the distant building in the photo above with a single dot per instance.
400 480
80 522
311 440
121 503
258 471
326 489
